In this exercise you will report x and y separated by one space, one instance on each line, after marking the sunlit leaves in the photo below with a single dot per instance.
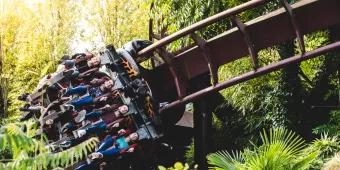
34 35
116 21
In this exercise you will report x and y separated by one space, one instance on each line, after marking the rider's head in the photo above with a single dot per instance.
134 137
108 84
94 61
123 109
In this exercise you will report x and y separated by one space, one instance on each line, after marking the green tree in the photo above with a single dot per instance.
33 36
116 21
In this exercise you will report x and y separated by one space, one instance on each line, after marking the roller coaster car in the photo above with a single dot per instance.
122 68
162 92
138 95
46 92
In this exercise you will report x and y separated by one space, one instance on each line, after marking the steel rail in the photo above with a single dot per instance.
192 28
252 74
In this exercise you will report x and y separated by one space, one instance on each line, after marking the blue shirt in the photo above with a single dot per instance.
121 143
95 91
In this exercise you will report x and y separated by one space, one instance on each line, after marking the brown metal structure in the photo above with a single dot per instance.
206 56
178 79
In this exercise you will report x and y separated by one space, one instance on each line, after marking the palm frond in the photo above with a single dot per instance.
305 160
224 160
49 160
18 142
18 128
17 137
278 150
327 144
281 150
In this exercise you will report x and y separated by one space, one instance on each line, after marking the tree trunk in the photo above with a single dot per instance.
3 108
289 90
322 84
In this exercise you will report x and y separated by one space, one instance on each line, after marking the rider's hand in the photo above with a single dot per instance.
115 125
96 155
121 131
107 106
103 99
81 132
49 121
130 150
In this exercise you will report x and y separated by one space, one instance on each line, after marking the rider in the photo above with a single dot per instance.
111 148
103 121
95 93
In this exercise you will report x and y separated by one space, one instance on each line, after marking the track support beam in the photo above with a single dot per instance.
202 44
247 39
295 25
180 82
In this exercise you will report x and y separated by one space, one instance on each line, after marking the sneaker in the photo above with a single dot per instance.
80 117
65 144
67 127
26 116
96 155
81 133
25 108
68 107
49 122
23 97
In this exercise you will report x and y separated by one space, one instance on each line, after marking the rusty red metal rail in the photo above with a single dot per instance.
201 24
252 74
205 56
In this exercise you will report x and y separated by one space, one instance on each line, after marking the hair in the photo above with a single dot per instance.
74 56
63 58
137 136
106 78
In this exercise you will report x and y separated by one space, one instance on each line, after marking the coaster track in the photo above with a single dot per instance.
246 39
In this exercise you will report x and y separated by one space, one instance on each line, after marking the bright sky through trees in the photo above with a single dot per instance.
35 34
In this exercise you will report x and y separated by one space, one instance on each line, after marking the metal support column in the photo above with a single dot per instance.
202 123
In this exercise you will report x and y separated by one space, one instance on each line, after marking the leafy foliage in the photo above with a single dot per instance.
332 128
30 153
34 35
115 21
280 149
178 166
327 145
279 99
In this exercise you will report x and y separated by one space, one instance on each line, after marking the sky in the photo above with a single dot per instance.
84 39
84 31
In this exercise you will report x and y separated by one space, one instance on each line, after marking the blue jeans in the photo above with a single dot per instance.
81 89
82 101
97 128
93 115
104 148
